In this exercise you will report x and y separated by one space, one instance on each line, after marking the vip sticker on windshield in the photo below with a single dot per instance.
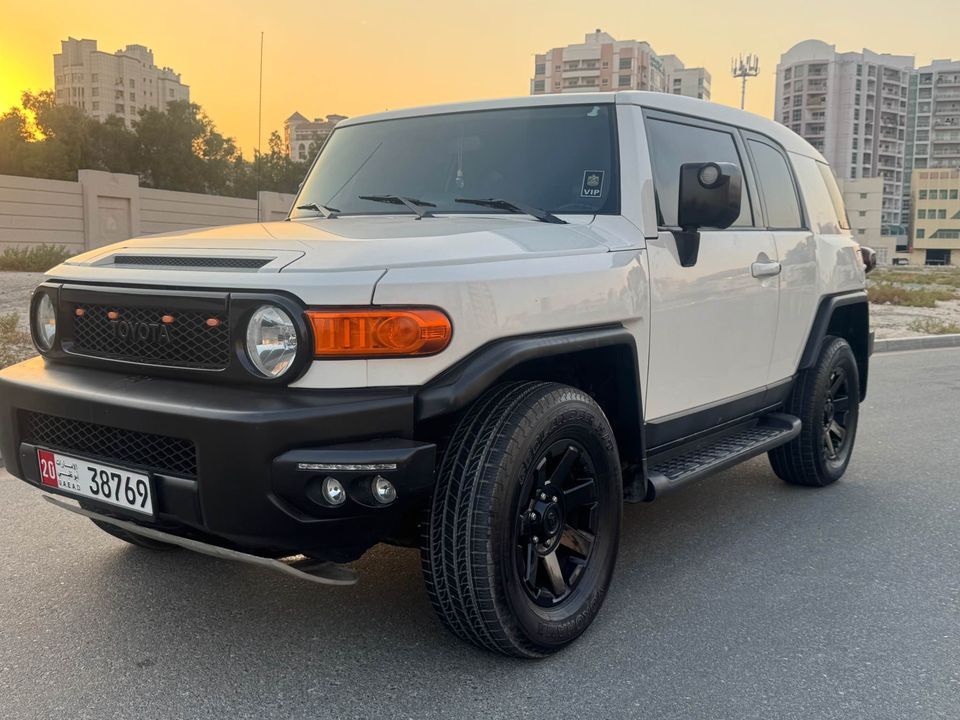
592 184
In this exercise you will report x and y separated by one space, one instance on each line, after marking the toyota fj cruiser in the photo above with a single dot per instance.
481 329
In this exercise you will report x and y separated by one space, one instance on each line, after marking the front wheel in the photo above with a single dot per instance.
826 398
520 544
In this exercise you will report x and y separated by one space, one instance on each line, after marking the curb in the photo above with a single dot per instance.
923 342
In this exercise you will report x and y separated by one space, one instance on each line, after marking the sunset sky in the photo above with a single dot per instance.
364 55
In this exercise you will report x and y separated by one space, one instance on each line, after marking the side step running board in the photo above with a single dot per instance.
772 430
318 571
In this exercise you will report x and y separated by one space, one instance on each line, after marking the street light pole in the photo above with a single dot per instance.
744 67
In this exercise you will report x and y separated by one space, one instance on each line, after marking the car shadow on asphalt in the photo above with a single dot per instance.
673 552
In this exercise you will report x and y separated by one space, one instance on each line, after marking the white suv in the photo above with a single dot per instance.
482 328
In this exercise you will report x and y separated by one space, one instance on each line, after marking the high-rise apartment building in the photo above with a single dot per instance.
299 133
601 63
681 80
933 123
123 83
852 107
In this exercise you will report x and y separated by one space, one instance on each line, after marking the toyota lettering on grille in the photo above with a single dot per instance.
139 331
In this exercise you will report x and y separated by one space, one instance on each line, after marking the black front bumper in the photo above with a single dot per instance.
260 453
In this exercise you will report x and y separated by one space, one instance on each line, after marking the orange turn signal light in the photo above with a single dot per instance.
375 332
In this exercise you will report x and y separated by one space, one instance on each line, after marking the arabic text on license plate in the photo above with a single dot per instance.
116 486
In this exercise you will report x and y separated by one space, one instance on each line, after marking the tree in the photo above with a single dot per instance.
67 138
179 149
14 135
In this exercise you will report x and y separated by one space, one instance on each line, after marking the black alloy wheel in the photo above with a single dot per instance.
557 523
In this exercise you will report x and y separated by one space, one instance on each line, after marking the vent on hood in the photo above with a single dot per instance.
226 263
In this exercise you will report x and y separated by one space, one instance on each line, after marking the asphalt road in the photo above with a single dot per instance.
740 598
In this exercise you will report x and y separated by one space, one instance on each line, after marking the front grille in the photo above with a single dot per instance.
167 455
151 335
230 263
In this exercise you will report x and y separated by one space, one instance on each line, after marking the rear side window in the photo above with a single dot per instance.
776 187
835 195
816 196
673 144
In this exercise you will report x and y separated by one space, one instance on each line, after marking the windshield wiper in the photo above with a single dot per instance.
328 213
412 204
515 207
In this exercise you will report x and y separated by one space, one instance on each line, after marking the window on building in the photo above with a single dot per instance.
623 81
538 85
856 143
941 214
921 214
132 83
119 109
606 64
953 194
170 92
859 83
863 196
605 81
921 233
540 69
863 213
797 115
859 70
853 173
94 77
943 194
797 100
671 145
861 231
94 92
133 97
854 158
96 105
558 68
626 63
302 152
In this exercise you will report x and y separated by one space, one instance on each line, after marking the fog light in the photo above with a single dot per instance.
333 491
383 490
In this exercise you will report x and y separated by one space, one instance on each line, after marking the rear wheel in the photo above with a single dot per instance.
522 537
826 398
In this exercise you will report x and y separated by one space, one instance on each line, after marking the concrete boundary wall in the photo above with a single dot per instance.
101 208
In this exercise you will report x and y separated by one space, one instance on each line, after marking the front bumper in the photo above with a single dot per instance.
260 453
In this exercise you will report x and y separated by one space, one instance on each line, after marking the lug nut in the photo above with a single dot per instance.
554 498
536 539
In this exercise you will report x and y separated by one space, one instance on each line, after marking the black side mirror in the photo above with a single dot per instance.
709 195
869 257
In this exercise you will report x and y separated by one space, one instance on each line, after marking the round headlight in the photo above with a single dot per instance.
271 341
45 322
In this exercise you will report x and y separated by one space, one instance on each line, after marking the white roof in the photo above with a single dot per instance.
654 100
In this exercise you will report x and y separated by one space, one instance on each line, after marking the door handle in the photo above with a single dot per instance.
765 269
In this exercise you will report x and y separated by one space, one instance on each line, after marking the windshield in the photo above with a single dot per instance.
559 159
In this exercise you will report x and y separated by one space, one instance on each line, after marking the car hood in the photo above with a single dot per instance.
350 253
389 242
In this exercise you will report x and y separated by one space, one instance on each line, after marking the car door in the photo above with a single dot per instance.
712 324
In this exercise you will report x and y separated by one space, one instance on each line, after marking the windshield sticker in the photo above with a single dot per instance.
592 184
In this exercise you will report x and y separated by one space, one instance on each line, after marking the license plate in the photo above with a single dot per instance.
112 485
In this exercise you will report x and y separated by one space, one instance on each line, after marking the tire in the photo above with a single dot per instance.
132 538
825 397
487 543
